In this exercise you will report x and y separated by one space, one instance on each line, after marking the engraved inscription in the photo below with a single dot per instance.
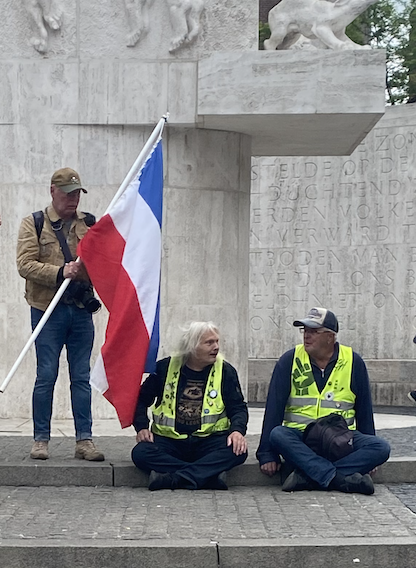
340 233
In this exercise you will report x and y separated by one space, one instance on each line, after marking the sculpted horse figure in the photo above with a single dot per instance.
138 17
321 20
43 13
185 18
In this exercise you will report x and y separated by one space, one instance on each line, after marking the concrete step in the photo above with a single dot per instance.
109 527
61 473
316 553
62 469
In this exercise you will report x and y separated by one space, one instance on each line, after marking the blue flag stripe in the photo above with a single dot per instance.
151 182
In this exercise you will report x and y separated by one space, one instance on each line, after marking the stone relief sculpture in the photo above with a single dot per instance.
185 18
138 18
43 13
321 21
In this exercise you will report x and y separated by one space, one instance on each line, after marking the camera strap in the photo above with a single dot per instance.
57 227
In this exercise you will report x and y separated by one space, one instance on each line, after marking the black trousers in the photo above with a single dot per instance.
194 460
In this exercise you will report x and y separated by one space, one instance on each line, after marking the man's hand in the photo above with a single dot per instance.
71 269
144 435
239 443
270 468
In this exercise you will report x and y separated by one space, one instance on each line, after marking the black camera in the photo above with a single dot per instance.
82 292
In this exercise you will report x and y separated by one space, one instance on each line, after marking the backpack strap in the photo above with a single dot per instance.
38 218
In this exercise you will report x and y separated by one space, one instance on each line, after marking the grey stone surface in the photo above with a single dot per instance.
100 30
56 474
146 555
339 232
293 103
126 514
102 526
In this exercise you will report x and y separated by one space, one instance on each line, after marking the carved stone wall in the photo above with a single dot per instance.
339 232
89 102
101 29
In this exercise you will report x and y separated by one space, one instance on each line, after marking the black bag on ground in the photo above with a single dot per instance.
329 437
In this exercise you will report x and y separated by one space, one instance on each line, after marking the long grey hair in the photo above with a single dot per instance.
191 337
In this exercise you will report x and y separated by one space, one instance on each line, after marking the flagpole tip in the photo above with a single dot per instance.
166 116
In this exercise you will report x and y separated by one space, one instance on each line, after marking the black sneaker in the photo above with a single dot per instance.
218 482
355 483
412 396
297 481
160 481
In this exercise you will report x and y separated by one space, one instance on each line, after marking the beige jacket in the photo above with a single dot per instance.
39 261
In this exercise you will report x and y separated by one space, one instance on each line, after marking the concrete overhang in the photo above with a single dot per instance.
294 103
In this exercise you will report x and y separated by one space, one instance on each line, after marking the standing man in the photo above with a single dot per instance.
317 378
199 419
44 260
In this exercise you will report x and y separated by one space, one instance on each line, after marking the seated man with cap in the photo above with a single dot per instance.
315 379
199 416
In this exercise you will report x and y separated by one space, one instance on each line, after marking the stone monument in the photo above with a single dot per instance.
88 99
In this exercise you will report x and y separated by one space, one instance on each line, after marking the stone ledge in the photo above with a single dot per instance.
338 553
276 553
56 474
294 103
125 474
43 554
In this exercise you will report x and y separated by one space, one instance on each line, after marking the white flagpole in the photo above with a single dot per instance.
154 137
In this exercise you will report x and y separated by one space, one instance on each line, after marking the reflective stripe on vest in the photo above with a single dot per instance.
306 403
213 415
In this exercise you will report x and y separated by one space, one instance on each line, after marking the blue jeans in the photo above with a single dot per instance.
196 460
369 452
70 326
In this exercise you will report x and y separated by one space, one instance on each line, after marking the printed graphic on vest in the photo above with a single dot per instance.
302 377
190 403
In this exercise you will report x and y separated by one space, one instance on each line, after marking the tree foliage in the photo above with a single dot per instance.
409 55
388 24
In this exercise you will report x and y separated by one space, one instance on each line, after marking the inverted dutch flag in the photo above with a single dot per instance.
122 253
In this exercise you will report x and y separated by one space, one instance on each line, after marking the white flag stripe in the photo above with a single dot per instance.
98 378
143 244
145 275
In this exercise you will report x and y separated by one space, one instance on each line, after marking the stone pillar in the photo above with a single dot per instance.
206 236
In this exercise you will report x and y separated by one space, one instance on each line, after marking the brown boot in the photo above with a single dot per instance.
39 451
85 450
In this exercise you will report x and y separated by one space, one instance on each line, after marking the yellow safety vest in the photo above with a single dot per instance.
213 414
306 403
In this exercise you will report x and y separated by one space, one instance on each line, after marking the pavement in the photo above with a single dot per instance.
69 513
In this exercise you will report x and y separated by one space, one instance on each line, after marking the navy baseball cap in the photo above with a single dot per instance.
319 317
